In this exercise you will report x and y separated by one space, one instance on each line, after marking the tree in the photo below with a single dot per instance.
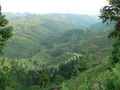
58 79
5 34
4 80
5 31
45 78
112 13
108 14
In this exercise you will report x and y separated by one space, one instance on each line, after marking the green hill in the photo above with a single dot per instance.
47 52
31 30
34 40
100 26
75 41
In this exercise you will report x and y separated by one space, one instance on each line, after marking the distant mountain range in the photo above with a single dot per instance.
33 33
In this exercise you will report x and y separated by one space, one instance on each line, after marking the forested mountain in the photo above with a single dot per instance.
61 51
75 41
57 51
31 30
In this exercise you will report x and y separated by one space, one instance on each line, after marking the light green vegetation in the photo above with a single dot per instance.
106 58
48 52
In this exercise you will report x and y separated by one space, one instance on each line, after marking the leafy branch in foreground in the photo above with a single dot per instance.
5 34
5 31
108 14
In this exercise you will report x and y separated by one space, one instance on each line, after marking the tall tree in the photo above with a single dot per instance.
5 34
5 31
108 14
45 78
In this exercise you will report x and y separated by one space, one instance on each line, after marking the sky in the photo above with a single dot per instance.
53 6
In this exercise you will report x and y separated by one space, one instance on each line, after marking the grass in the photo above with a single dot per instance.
106 58
87 79
77 54
42 57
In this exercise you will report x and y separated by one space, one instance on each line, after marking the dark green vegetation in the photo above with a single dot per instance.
60 52
5 31
5 34
111 13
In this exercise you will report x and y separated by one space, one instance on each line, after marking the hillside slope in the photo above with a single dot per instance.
31 30
75 41
100 26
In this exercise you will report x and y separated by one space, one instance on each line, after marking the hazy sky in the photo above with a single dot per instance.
53 6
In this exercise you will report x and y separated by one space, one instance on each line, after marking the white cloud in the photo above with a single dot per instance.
50 6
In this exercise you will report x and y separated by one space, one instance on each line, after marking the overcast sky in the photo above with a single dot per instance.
53 6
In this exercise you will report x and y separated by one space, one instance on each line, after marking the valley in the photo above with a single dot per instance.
55 48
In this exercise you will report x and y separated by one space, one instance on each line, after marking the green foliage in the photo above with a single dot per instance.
82 66
5 34
58 79
5 31
25 79
63 86
66 70
113 78
45 78
111 13
113 34
115 53
4 79
35 87
83 62
76 72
